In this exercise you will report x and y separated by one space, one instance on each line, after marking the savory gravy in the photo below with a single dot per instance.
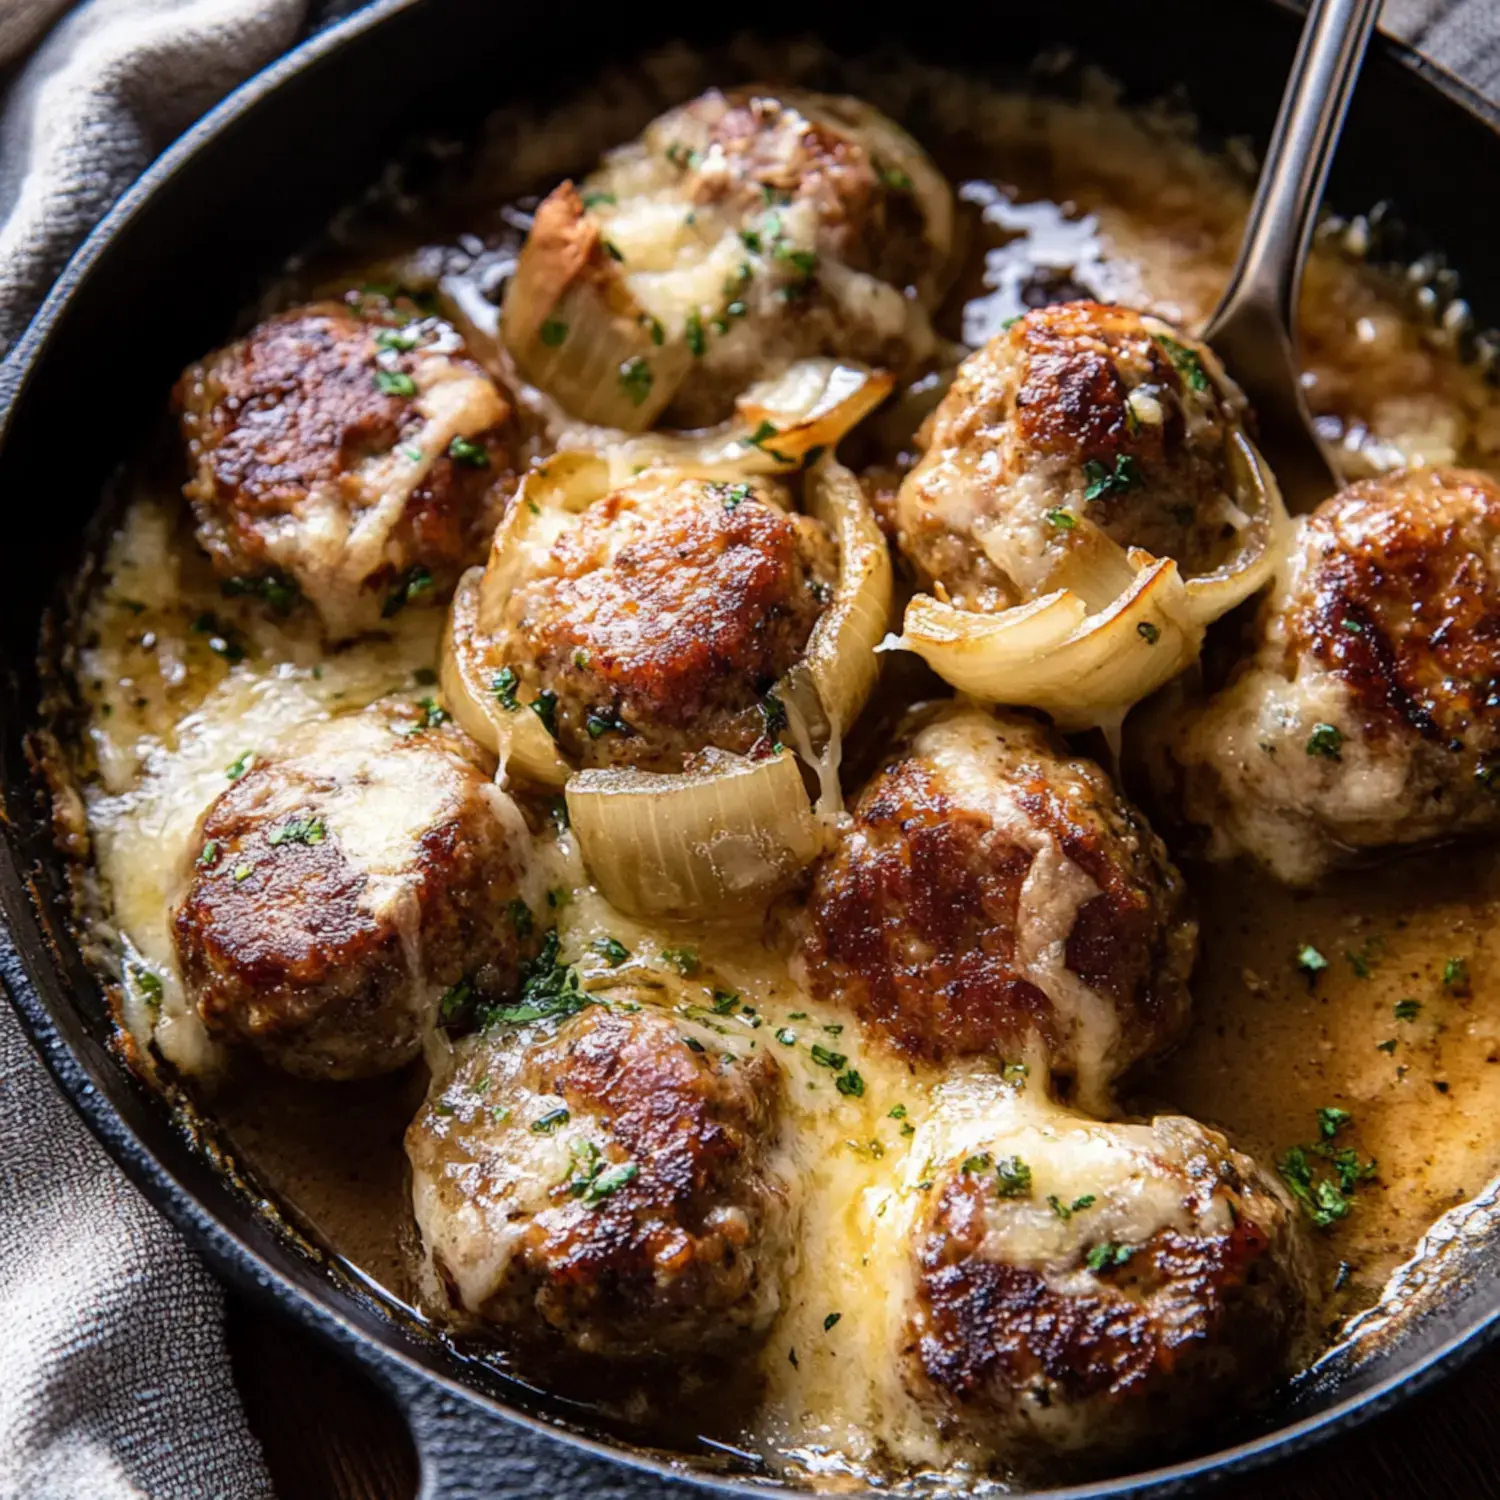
1374 995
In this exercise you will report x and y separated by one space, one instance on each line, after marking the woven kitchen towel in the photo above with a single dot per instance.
114 1380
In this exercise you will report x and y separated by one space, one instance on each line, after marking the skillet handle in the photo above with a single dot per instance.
469 1452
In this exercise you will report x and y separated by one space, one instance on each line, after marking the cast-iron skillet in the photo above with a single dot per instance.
161 280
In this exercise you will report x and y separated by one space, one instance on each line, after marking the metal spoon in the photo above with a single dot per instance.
1253 329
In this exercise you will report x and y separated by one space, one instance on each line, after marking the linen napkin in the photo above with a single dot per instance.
114 1380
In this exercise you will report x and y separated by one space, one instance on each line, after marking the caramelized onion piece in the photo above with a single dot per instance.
829 686
1126 623
574 328
1084 670
701 843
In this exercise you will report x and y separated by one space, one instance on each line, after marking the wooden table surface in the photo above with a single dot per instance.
329 1435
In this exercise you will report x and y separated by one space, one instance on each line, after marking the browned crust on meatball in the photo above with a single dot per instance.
680 636
985 1326
1072 398
1401 603
863 220
668 1259
280 952
913 917
295 404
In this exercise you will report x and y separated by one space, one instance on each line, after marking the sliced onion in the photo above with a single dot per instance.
829 686
705 842
1084 670
777 424
468 672
1213 594
576 330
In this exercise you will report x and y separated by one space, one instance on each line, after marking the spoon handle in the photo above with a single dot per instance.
1252 328
1296 166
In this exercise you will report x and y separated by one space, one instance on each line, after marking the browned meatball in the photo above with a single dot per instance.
350 451
740 232
989 890
1369 714
1082 1285
663 616
1081 419
341 884
608 1187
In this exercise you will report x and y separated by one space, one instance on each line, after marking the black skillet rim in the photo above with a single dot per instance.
252 1272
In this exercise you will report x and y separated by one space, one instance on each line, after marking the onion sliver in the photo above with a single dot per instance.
575 329
829 686
1084 670
1213 594
697 844
468 673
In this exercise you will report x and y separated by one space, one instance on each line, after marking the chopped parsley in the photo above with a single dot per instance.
1326 740
725 1002
1106 1255
760 438
613 251
549 991
786 1036
773 711
1104 481
827 1059
1322 1177
299 831
209 854
431 716
611 1180
550 1121
693 333
1014 1073
402 339
395 383
462 451
417 581
279 591
684 960
1310 961
1456 975
894 177
636 380
733 495
830 1320
521 918
611 950
424 677
896 1112
544 706
851 1084
148 983
1148 632
456 1002
981 1161
504 688
1067 1210
243 764
593 200
602 721
1013 1178
1408 1010
1184 361
1064 520
553 332
243 872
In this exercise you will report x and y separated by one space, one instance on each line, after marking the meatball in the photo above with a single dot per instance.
662 616
990 893
1082 1285
350 452
348 878
608 1188
1369 713
1081 421
751 228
